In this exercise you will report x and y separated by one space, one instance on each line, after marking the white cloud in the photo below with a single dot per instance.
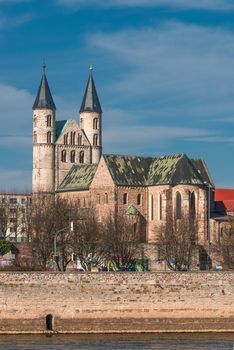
187 4
14 21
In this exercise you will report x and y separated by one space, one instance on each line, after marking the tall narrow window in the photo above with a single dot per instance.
106 198
48 120
48 137
139 199
125 198
95 139
79 140
73 137
151 207
95 123
65 138
160 207
73 156
81 157
178 205
192 204
64 156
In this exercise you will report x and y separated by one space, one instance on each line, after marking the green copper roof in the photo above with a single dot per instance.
132 210
60 126
127 170
79 178
142 171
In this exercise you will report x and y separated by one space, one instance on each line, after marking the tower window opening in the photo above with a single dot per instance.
125 198
81 157
35 137
49 137
106 198
48 120
64 156
139 199
73 156
95 123
95 139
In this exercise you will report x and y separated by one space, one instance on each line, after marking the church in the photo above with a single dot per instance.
68 161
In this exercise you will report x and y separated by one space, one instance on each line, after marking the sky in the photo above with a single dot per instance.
163 69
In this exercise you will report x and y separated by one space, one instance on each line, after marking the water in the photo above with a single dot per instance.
119 342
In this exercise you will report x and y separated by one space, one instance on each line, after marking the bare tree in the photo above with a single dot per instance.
177 241
121 240
223 247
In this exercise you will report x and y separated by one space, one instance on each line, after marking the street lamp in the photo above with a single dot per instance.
55 238
208 223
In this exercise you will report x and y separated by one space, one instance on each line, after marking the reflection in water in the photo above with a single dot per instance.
119 342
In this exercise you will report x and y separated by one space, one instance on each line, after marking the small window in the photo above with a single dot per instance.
178 205
95 139
13 200
13 220
12 229
125 198
49 137
84 203
35 121
106 198
139 199
151 207
49 322
23 200
48 120
73 156
95 123
35 137
81 157
64 156
192 204
160 207
81 123
73 138
135 227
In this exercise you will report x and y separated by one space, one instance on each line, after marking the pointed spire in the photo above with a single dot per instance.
44 98
90 101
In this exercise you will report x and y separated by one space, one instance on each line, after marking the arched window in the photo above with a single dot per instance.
73 156
81 157
73 137
192 204
79 140
139 199
135 227
35 137
48 120
160 207
65 138
95 139
35 120
151 207
64 156
106 198
95 123
178 205
49 137
125 198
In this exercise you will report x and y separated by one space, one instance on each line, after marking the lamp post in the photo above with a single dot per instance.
55 238
208 223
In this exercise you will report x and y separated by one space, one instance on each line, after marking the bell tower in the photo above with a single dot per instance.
91 119
43 175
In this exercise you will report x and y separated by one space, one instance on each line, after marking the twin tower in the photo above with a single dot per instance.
57 145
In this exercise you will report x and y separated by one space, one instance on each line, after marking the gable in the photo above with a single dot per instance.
66 126
102 176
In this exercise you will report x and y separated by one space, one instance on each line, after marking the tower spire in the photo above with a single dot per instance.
44 98
90 101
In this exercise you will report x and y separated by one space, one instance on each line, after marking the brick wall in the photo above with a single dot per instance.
120 302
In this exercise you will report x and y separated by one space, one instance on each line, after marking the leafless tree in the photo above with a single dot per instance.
223 247
121 240
177 241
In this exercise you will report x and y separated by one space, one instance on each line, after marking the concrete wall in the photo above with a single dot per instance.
117 302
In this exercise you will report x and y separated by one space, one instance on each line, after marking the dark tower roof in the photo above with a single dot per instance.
44 98
90 101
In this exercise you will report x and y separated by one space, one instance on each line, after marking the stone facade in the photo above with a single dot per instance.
116 302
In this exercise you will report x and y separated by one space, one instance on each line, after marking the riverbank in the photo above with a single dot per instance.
116 302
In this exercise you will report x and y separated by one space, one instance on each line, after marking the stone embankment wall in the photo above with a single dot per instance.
116 302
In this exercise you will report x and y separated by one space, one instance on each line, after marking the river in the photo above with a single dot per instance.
119 342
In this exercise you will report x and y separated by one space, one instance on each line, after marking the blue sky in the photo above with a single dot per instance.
164 72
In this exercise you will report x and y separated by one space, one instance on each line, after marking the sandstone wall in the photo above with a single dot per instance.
117 302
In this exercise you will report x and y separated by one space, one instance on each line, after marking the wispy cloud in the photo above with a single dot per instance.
14 21
182 4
